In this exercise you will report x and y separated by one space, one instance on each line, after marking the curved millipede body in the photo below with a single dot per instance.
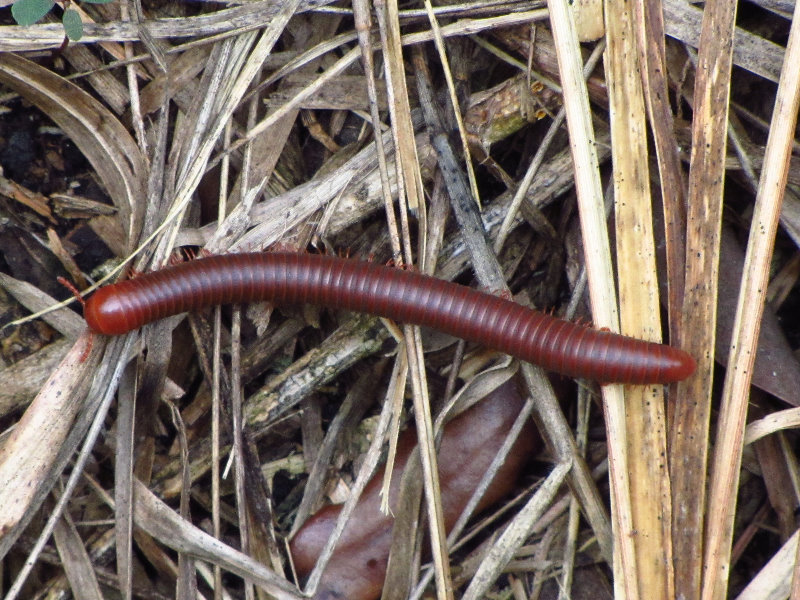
555 344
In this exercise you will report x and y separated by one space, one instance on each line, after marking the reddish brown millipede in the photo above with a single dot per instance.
283 278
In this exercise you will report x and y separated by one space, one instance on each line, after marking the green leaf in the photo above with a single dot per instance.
73 26
28 12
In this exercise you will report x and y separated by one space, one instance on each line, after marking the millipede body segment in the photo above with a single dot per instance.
292 278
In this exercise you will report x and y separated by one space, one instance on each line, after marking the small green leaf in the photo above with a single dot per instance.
73 26
28 12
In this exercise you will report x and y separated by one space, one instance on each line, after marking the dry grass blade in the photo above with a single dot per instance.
735 394
83 433
409 176
363 23
451 89
649 493
649 29
598 266
77 564
430 471
412 200
516 532
689 443
160 521
123 481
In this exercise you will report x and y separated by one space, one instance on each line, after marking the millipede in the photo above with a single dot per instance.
558 345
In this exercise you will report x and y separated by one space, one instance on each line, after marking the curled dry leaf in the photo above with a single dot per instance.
104 141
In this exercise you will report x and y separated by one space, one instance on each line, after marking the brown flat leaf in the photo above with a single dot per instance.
776 370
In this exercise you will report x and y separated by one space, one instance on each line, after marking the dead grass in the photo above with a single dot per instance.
159 464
